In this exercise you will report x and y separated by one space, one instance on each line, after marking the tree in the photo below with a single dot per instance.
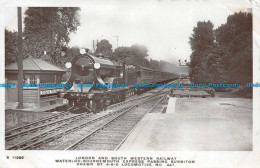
201 41
48 29
139 50
154 64
223 55
235 38
104 47
70 54
10 47
132 55
122 53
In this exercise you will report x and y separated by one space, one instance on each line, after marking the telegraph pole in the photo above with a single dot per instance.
20 59
116 39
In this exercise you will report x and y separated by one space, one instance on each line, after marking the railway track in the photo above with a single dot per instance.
61 139
112 133
50 120
34 137
35 123
49 129
47 126
34 134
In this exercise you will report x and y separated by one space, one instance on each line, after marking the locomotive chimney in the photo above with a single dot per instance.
94 46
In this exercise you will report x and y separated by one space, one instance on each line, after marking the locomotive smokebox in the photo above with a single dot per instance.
91 69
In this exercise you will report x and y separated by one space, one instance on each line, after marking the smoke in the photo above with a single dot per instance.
173 68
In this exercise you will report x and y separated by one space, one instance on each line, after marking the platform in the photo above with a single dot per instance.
182 92
16 117
14 105
196 124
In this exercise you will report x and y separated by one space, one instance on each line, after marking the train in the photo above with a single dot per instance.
97 81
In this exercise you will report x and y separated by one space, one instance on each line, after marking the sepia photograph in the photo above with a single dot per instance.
133 78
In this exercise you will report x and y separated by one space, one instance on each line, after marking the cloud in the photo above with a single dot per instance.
164 27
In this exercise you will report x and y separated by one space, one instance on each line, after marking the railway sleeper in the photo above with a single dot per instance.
19 129
42 127
110 132
82 126
99 141
35 124
35 139
65 125
23 134
109 137
23 145
76 128
32 131
58 136
13 148
116 130
10 138
26 127
51 131
67 132
37 144
49 140
58 128
44 135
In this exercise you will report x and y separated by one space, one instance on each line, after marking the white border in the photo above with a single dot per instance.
203 159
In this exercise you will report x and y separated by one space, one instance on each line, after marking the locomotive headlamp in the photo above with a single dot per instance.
82 51
97 65
68 65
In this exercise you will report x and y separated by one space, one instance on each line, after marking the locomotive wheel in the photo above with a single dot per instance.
138 92
70 105
105 108
101 105
97 106
130 93
113 99
118 97
122 97
93 106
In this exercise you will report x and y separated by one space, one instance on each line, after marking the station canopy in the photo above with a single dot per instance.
34 64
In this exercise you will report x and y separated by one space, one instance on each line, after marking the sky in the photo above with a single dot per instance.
163 26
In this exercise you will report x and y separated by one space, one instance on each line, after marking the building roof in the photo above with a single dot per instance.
33 64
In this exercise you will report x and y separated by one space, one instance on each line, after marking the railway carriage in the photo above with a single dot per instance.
92 78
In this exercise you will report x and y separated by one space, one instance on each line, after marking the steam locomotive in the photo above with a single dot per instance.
93 79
